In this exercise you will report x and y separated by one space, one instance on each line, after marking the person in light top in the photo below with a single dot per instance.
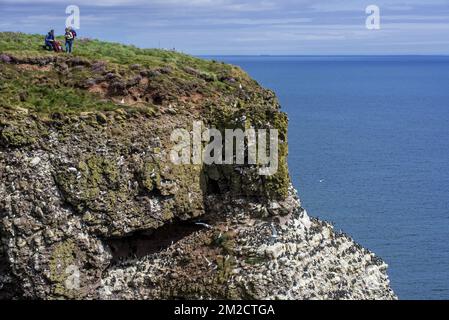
69 37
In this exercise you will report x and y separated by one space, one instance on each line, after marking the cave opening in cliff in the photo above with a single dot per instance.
213 188
143 243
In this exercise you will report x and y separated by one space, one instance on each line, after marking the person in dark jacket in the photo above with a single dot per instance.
49 40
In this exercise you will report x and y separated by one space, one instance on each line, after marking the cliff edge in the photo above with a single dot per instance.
91 206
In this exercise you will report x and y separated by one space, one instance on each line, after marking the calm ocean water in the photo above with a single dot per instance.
369 151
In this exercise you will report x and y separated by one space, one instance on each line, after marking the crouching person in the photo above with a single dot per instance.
49 41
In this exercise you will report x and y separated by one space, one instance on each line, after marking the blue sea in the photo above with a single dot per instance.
369 151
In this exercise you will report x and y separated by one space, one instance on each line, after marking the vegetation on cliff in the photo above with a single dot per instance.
53 82
85 142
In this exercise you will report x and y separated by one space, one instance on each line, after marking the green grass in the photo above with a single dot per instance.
41 92
47 91
31 45
65 100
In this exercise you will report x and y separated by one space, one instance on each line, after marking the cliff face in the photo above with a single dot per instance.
91 206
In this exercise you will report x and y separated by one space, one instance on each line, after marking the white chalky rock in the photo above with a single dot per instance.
275 250
35 161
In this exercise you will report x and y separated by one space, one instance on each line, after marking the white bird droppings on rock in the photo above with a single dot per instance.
35 161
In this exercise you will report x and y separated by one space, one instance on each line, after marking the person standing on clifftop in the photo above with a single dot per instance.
68 40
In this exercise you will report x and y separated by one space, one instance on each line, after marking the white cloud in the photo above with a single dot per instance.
250 26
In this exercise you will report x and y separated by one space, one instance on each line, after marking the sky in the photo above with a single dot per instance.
251 27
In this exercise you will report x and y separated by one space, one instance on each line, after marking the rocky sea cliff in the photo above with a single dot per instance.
91 207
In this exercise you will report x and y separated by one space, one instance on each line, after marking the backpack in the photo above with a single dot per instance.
57 47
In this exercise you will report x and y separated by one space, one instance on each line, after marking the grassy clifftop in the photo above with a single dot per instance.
21 44
98 73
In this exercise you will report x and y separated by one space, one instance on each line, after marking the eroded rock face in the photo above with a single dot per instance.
91 206
76 186
241 256
80 206
72 184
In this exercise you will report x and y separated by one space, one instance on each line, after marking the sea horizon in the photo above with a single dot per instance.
320 55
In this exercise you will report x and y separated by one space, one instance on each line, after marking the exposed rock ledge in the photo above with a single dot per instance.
293 257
